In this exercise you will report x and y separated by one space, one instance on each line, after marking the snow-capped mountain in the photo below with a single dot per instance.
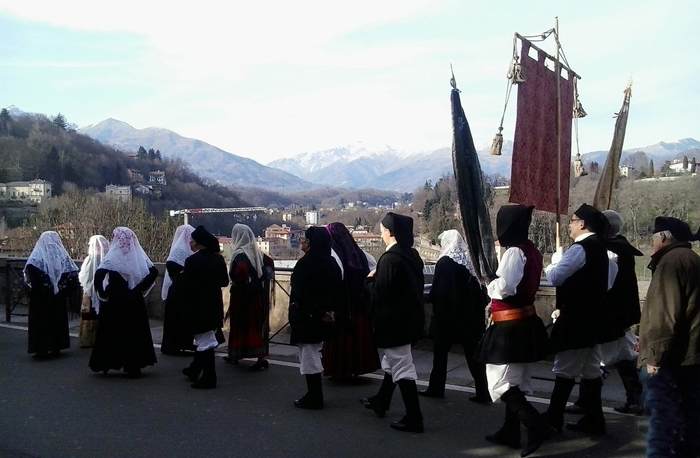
386 168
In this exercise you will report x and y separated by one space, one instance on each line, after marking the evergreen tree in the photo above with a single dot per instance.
60 121
142 154
5 120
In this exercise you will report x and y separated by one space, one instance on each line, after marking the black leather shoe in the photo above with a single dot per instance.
499 440
431 394
485 400
378 411
307 403
574 409
260 364
409 426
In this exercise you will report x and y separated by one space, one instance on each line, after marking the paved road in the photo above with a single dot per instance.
59 408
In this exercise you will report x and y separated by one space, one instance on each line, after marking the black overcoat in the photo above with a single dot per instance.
396 297
316 289
204 275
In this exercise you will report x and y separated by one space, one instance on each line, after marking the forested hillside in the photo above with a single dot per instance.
34 146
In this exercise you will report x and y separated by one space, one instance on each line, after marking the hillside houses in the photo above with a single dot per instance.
33 191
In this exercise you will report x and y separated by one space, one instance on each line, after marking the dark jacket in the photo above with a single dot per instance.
396 295
669 333
316 288
201 280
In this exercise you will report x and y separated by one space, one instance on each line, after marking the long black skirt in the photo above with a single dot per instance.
515 341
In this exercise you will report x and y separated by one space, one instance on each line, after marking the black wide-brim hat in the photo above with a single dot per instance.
595 220
679 229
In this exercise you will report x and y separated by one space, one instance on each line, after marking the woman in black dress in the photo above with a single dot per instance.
52 277
124 278
176 336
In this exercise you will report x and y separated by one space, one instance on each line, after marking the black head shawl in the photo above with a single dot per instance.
678 228
513 224
206 239
594 219
401 227
319 241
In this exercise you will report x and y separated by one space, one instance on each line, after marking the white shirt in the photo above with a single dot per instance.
573 260
510 272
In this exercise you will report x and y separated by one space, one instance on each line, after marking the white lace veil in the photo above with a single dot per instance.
243 241
179 251
453 246
98 246
50 257
127 257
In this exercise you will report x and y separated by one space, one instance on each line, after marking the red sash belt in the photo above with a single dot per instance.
514 314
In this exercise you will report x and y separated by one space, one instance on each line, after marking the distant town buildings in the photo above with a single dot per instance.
33 191
119 193
626 171
312 217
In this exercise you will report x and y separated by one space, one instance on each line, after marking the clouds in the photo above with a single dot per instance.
271 79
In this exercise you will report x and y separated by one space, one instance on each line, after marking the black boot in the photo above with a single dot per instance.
509 434
593 421
633 389
557 403
208 379
380 402
412 422
195 368
578 407
538 429
313 399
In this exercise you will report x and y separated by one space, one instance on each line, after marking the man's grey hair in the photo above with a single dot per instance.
615 220
667 235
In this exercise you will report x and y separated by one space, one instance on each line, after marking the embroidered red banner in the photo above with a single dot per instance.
534 169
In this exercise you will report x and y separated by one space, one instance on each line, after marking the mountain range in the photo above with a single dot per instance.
353 167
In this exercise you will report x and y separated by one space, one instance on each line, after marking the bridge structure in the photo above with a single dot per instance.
198 211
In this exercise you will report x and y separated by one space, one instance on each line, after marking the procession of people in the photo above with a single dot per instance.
350 316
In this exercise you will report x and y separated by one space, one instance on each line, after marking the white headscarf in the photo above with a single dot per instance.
98 246
179 251
243 241
127 257
50 257
454 247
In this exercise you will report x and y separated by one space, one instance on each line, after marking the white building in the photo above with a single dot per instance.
31 191
313 217
626 170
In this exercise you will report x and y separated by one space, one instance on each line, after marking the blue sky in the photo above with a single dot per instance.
268 80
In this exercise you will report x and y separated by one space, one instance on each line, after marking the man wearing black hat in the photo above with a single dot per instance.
203 277
582 275
517 336
669 342
396 295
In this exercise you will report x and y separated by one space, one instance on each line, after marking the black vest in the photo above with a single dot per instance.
582 299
